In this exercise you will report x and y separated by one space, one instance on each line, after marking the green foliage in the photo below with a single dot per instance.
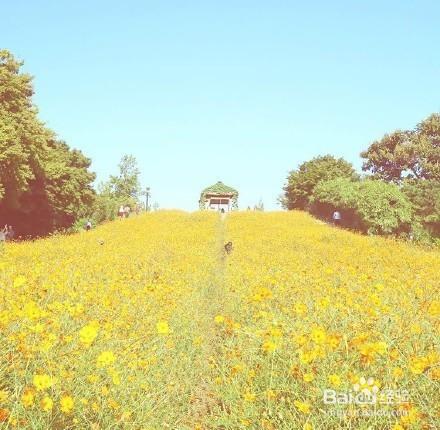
425 198
126 185
301 182
374 207
121 190
44 185
410 154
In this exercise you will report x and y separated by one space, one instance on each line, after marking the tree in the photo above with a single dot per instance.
408 154
44 185
301 182
126 185
425 198
123 189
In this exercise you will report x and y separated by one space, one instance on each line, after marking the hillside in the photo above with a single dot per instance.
146 323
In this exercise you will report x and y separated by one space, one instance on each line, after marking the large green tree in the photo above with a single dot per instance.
407 154
301 182
44 185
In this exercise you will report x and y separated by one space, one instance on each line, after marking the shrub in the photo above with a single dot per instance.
425 198
371 206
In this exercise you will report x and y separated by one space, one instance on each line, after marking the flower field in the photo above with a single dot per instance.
146 323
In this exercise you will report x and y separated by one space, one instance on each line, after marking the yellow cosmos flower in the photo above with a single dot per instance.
318 335
249 397
162 327
335 380
105 359
88 333
46 404
27 398
418 365
66 404
42 382
219 319
308 377
303 407
269 346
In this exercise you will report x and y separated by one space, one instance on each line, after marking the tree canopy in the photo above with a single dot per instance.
44 185
301 182
406 154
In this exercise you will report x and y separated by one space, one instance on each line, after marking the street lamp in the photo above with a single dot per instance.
147 196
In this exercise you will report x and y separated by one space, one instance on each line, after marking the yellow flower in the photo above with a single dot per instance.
434 308
105 359
397 373
162 327
42 382
334 380
318 335
46 404
269 346
27 398
306 357
418 365
93 379
300 309
89 333
249 397
308 377
219 319
66 404
303 407
4 395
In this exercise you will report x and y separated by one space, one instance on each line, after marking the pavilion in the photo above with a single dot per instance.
219 197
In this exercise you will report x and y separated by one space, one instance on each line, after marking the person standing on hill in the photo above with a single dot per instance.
121 212
88 225
336 218
7 233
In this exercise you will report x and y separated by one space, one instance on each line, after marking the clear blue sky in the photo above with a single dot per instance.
238 91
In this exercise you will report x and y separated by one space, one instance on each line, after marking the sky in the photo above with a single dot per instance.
237 91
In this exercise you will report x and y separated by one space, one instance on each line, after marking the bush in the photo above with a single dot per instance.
371 206
425 198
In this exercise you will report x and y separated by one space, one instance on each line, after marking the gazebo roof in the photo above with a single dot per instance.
220 188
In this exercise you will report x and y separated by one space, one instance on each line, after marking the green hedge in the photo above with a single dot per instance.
371 206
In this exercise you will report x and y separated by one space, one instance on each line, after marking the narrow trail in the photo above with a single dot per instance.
207 302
